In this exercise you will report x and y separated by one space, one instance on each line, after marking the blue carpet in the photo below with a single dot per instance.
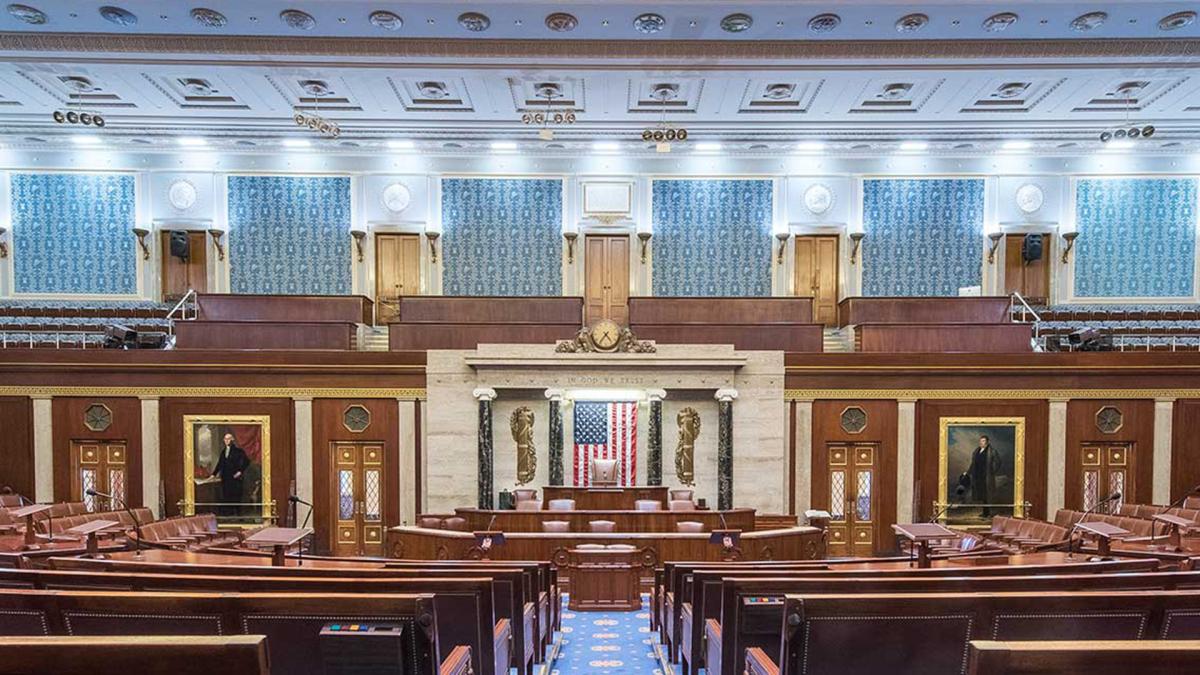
607 642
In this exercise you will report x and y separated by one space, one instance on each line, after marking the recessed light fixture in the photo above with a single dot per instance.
504 145
296 143
914 146
708 147
86 140
192 141
810 146
1016 145
606 146
401 144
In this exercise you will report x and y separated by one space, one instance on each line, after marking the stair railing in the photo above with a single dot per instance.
1026 312
180 308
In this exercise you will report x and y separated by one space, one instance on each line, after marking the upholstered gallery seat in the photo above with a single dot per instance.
432 522
689 526
457 524
683 493
524 495
590 547
529 505
604 472
602 525
556 526
682 505
647 505
561 505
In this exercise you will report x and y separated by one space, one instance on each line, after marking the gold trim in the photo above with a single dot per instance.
189 454
944 424
213 392
916 394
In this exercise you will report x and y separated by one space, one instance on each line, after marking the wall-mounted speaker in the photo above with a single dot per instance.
181 245
1031 248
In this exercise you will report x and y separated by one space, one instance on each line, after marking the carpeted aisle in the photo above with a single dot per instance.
607 642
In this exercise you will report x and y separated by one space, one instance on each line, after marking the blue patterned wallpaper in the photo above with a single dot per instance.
924 237
1137 238
502 236
289 235
712 237
72 233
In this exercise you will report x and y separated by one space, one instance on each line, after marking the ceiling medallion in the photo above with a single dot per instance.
396 197
1177 20
561 22
27 14
474 21
182 195
209 18
649 23
824 23
297 19
818 199
119 16
386 20
1089 21
911 23
736 23
196 86
998 23
1030 198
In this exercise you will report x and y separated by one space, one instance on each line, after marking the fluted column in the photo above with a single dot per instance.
654 438
486 448
556 436
725 399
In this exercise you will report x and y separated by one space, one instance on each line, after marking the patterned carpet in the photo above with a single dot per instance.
597 643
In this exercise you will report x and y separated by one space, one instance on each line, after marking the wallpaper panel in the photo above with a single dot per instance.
289 235
72 233
502 236
712 237
924 237
1137 237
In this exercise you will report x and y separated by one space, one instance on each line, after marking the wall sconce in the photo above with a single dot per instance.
856 238
359 234
644 238
216 235
140 233
570 237
995 238
433 237
783 239
1068 237
3 244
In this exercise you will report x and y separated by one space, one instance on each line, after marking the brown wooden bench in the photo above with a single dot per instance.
121 655
1114 657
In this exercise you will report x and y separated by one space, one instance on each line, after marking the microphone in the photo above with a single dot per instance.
1175 504
491 524
137 525
296 500
1110 498
724 525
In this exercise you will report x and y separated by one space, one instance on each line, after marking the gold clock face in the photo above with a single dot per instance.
606 334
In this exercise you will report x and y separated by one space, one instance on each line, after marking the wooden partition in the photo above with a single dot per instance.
611 499
626 521
285 308
425 336
782 323
454 309
976 309
264 335
942 338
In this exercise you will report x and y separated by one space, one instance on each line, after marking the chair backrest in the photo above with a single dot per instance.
556 526
529 505
647 505
689 526
683 493
524 495
561 505
682 505
457 524
431 522
604 471
602 525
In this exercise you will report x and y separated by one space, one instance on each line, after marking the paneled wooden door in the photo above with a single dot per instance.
1030 279
358 498
853 471
100 466
1105 468
397 273
606 286
817 275
178 275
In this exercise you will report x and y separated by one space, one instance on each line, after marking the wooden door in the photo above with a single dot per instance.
1030 279
178 276
358 498
1106 468
853 471
817 275
100 466
397 273
606 270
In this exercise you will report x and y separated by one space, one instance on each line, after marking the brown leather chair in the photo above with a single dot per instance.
602 525
524 495
431 522
604 472
529 505
457 524
689 526
647 505
556 526
561 505
682 493
681 505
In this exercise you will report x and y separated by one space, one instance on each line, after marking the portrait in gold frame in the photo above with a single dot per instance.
968 476
202 446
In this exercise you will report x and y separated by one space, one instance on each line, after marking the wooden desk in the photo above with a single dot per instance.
605 499
425 336
626 521
986 309
605 580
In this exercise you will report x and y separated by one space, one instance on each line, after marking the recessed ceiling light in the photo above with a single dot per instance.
192 142
504 145
914 146
708 147
606 146
1016 145
296 143
810 146
86 140
401 144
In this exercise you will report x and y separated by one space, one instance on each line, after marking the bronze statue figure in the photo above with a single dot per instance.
522 432
685 452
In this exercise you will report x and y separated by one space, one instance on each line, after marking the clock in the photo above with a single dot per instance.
605 335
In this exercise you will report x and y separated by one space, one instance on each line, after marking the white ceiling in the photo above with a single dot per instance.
863 87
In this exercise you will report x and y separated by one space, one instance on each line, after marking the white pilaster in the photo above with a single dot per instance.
407 415
1164 417
803 468
43 450
151 469
906 458
1056 460
302 414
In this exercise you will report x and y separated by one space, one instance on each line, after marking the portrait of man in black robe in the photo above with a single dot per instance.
231 469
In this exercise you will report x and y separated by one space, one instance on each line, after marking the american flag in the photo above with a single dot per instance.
606 430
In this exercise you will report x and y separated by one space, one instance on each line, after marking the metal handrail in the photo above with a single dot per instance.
181 307
1037 318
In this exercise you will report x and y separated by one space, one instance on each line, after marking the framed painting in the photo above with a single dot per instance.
227 467
981 469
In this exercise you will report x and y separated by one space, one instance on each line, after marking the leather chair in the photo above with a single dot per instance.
620 547
561 505
457 524
524 495
604 472
556 526
681 505
682 493
601 525
689 526
431 522
647 505
529 505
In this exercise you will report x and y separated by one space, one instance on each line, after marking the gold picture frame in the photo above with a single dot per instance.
190 428
951 460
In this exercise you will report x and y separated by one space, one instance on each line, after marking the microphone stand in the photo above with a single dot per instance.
137 525
1175 504
1071 535
296 500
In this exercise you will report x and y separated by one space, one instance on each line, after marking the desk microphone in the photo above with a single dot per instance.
296 500
491 524
1111 498
958 492
137 525
724 525
1175 504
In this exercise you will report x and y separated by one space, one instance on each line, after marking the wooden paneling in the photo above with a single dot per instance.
1032 279
170 423
397 273
1137 428
126 427
606 278
880 432
311 308
999 338
328 428
491 309
610 499
986 309
1036 414
795 338
180 276
817 275
264 335
422 336
718 310
1185 447
16 444
626 521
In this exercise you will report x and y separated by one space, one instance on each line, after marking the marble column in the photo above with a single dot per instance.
1164 418
803 469
43 450
151 461
1056 458
725 398
487 498
555 452
906 458
654 450
409 472
302 416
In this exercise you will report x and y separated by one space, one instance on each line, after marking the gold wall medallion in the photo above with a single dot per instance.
521 423
981 460
203 446
685 450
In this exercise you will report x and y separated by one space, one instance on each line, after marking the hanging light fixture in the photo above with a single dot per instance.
664 134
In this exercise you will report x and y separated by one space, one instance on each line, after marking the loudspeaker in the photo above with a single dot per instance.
1031 248
181 246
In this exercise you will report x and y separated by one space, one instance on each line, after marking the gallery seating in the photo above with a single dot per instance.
601 526
75 324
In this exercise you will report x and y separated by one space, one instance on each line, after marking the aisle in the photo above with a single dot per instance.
607 642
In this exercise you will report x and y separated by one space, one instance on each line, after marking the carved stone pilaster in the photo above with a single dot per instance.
654 438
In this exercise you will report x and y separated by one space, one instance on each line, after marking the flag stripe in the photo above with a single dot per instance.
605 430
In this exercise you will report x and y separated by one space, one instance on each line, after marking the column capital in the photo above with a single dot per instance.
148 398
554 394
484 394
41 397
656 394
726 395
299 399
1058 400
1165 400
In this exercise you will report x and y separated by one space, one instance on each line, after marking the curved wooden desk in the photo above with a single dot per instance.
647 522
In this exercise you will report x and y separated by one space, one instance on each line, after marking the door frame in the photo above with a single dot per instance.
837 277
631 265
